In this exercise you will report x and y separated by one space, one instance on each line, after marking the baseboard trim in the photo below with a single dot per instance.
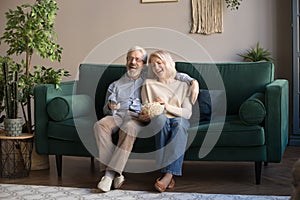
294 140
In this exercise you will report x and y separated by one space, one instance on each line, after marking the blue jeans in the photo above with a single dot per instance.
170 144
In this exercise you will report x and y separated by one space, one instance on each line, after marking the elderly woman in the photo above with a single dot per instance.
174 96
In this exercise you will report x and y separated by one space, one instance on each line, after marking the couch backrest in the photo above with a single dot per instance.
94 80
240 80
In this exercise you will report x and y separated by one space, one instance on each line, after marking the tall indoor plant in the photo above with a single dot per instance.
30 29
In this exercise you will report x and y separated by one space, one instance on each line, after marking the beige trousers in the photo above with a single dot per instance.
111 156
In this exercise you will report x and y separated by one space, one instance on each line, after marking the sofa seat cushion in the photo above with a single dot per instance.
234 134
68 129
144 145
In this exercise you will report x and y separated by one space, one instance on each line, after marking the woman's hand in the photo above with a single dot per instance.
160 100
144 117
194 91
114 106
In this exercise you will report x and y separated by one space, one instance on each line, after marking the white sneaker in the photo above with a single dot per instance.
118 181
105 184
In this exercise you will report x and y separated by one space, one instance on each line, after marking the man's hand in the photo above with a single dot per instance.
194 91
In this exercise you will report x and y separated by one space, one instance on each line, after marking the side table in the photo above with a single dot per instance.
15 155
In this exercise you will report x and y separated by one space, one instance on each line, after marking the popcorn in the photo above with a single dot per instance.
152 109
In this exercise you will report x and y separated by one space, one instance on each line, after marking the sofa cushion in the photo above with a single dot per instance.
69 129
234 134
253 111
63 130
67 107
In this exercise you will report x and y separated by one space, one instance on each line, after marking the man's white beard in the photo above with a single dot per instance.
133 74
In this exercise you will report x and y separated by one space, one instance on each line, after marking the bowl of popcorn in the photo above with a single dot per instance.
152 109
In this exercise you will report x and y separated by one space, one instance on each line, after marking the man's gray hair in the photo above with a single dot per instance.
142 50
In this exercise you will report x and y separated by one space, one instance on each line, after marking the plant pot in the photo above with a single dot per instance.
39 161
13 127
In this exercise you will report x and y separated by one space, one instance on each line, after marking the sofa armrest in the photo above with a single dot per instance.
42 95
276 121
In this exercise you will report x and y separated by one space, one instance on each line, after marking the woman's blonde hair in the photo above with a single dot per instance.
167 59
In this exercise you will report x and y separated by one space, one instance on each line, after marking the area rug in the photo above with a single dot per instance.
24 192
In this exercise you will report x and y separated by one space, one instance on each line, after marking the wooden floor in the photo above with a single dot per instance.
200 177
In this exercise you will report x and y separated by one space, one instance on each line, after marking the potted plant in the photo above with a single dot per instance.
256 54
30 29
233 4
1 93
12 123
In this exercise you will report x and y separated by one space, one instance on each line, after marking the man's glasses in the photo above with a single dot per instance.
130 59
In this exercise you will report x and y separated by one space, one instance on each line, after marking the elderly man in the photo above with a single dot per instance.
122 101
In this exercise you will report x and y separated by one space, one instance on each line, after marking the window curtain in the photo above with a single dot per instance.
207 16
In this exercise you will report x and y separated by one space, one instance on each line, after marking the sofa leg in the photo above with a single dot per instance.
258 165
58 164
92 163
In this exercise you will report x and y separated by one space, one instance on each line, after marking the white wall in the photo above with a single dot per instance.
83 24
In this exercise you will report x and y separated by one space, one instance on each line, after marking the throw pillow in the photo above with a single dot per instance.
67 107
253 111
206 99
204 105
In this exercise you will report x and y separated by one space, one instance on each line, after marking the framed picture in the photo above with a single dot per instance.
158 1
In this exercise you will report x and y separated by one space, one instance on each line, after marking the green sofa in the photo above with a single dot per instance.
242 117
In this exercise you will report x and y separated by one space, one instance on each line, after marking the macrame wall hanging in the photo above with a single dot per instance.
207 16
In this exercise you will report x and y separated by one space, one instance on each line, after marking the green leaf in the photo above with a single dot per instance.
30 30
256 54
233 4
